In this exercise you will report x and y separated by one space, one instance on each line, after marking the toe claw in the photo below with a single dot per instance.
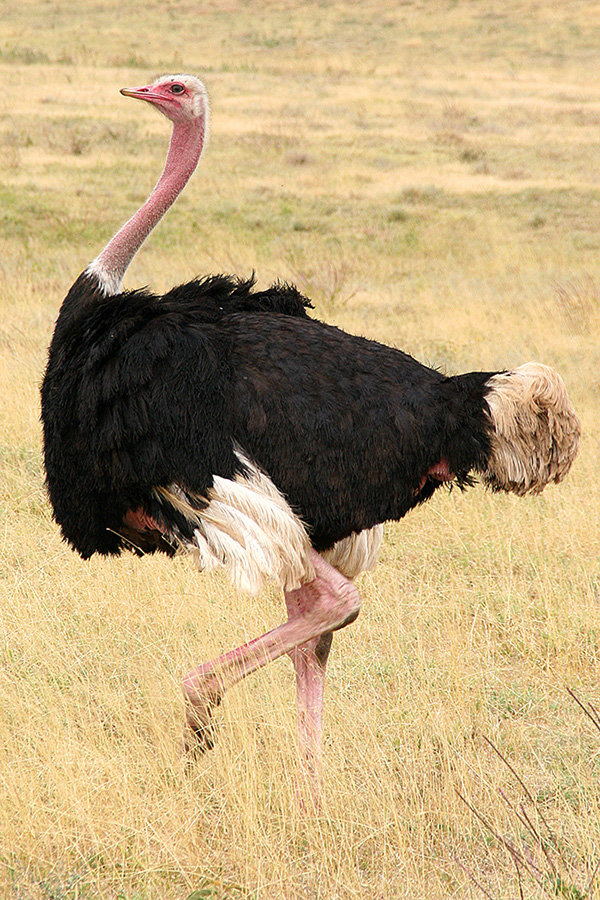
199 731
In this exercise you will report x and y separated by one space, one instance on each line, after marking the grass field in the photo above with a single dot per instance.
429 173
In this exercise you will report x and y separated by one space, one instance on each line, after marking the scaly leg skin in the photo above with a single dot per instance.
321 606
310 661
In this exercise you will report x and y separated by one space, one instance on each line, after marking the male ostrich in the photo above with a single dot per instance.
223 421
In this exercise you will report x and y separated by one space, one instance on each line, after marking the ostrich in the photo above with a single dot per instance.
223 421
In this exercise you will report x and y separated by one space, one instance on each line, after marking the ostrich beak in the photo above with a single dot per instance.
141 93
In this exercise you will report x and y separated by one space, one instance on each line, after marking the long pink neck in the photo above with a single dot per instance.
184 152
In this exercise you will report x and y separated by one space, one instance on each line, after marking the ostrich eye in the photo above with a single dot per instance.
177 89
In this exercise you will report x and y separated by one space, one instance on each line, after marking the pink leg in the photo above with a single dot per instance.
322 606
310 661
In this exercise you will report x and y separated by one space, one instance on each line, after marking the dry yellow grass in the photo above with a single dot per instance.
429 173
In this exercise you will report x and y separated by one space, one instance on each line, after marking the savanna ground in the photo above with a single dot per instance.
428 174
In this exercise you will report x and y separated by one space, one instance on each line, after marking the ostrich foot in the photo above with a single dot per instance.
202 695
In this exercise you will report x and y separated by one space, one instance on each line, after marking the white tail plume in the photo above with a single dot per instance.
248 527
536 430
356 553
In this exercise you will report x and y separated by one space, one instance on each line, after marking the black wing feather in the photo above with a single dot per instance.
346 427
137 393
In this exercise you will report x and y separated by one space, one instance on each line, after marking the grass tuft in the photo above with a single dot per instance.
531 851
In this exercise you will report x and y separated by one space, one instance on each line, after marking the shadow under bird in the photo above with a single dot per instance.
223 421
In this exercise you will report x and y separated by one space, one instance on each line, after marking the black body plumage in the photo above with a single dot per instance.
143 391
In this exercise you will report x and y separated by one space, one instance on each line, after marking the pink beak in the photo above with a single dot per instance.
141 93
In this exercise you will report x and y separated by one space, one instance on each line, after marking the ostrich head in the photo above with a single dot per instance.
181 98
